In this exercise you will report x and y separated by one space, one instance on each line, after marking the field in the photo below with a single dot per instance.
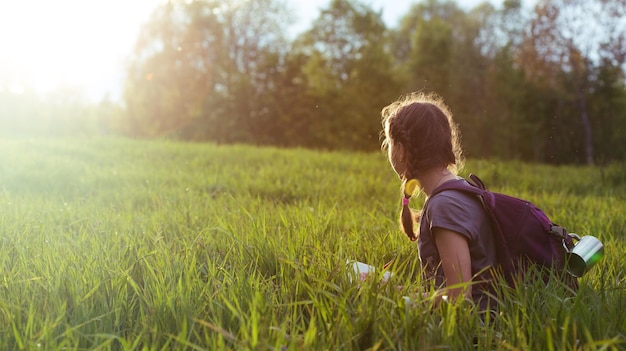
114 244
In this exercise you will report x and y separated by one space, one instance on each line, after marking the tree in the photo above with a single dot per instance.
200 68
165 82
349 72
565 42
608 105
438 48
253 47
514 106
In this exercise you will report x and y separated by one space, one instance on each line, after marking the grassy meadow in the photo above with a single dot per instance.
114 244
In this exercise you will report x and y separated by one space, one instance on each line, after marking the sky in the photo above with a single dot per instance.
46 44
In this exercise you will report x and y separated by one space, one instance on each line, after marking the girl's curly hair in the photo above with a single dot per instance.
423 125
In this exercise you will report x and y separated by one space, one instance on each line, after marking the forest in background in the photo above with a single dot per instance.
543 83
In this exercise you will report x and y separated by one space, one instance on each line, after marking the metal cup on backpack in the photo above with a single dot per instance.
584 255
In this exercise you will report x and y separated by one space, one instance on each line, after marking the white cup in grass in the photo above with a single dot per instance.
364 270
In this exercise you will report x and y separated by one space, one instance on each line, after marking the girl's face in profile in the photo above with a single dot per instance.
396 158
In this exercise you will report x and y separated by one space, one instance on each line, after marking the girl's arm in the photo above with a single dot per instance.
455 261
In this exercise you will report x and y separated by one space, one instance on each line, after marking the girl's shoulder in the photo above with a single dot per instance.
454 197
454 202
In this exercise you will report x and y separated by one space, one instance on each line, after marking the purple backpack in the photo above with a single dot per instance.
524 235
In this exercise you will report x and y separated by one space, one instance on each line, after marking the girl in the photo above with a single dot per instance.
455 240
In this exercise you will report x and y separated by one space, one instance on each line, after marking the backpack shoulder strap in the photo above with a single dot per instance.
477 182
472 185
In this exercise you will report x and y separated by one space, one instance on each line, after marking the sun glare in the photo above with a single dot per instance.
49 44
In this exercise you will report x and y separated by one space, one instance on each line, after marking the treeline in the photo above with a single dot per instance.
543 83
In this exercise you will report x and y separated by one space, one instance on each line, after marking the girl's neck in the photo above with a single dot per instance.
430 180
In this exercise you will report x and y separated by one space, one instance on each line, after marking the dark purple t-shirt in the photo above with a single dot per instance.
464 214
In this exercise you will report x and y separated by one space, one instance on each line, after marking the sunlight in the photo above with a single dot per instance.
49 44
16 89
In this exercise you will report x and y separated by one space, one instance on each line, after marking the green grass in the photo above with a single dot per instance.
133 245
